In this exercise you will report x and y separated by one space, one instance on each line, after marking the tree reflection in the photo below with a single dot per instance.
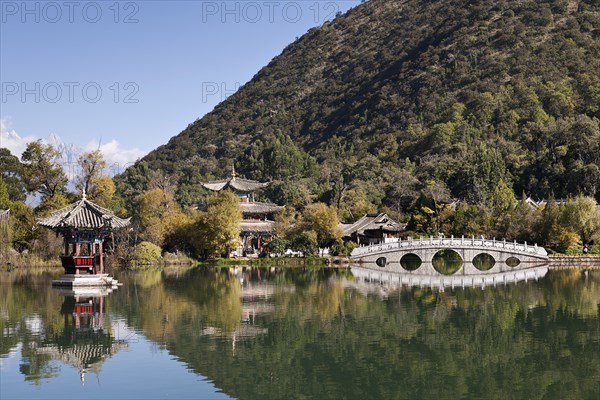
269 333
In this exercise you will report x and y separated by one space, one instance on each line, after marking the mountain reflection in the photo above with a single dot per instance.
323 333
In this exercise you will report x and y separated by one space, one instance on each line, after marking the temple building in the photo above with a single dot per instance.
85 227
372 229
257 217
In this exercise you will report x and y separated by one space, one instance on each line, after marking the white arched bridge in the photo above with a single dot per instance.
456 256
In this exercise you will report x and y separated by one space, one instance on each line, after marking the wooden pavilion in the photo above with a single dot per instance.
257 217
84 226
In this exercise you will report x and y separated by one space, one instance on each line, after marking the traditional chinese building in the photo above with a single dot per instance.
373 229
85 227
257 217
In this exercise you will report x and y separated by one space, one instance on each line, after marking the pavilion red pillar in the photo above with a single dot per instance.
100 317
100 252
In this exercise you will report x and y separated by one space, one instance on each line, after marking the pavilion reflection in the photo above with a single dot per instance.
85 340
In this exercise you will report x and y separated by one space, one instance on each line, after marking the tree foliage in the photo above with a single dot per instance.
159 215
216 230
11 170
41 172
322 220
92 180
468 94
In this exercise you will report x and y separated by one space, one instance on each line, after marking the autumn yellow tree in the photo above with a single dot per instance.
159 215
98 187
323 220
581 215
217 229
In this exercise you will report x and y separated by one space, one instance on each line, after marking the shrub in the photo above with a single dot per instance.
343 249
145 254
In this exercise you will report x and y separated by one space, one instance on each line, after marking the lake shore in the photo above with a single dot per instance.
581 261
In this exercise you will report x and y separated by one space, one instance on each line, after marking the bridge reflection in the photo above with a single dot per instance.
397 279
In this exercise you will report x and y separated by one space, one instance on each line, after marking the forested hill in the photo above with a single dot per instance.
368 107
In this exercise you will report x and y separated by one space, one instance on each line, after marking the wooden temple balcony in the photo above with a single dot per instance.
81 264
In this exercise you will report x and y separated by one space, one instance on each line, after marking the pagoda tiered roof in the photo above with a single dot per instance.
83 214
238 184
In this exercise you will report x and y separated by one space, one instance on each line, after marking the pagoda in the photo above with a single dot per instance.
257 217
84 227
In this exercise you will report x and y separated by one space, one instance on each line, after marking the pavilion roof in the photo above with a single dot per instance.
239 184
259 208
83 214
4 214
257 226
372 222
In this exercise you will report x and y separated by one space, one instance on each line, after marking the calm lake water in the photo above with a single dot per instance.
298 334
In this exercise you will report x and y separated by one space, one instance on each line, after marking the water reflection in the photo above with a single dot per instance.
484 262
324 333
395 279
447 261
410 262
83 342
68 326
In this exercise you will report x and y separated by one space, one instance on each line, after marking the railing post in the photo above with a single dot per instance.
462 239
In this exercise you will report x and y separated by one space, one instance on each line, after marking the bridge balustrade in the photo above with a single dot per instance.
448 242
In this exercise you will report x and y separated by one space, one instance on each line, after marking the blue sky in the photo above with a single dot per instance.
132 74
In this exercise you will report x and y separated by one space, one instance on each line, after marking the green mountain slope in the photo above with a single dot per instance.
394 93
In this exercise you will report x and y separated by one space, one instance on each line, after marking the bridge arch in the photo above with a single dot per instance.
447 261
513 261
484 261
411 262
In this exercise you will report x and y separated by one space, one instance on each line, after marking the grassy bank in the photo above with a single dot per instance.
27 261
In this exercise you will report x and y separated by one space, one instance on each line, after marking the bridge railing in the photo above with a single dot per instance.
462 242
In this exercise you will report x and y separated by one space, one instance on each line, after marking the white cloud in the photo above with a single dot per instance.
10 139
117 158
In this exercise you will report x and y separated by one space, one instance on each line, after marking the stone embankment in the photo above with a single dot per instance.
574 262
